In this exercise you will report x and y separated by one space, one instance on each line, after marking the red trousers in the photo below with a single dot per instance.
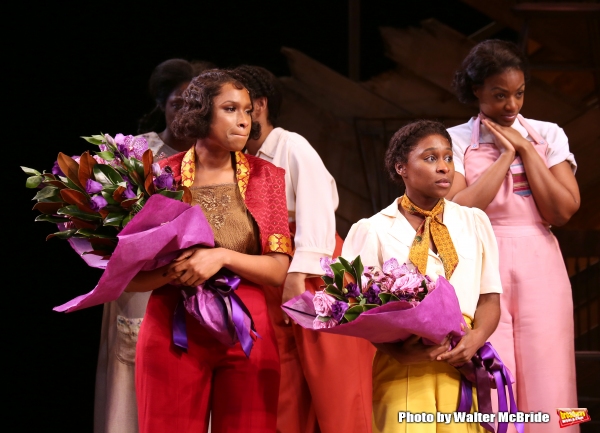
326 383
176 390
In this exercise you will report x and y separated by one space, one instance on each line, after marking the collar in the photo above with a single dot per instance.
270 144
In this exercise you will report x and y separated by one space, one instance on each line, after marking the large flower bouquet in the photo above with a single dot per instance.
390 305
95 197
122 212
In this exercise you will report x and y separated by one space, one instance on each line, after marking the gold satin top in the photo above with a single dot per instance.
233 225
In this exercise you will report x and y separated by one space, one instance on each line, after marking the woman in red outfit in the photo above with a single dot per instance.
243 199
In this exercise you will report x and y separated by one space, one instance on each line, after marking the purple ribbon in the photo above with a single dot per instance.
486 369
237 324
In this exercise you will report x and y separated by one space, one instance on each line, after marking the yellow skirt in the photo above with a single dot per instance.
408 398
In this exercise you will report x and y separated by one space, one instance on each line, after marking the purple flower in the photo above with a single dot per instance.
98 202
76 158
128 194
156 171
390 265
93 187
109 140
136 145
372 295
338 309
119 139
322 303
98 159
352 290
411 281
124 150
165 180
319 324
56 169
326 263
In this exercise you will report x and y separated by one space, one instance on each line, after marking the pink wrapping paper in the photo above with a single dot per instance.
153 238
433 318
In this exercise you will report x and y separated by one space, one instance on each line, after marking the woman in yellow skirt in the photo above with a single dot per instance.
416 387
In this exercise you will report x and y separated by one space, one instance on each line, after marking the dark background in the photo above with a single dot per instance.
83 69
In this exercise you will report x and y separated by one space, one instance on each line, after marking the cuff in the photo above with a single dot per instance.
308 262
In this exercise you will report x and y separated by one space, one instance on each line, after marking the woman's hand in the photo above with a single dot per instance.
505 140
295 284
196 265
470 343
413 351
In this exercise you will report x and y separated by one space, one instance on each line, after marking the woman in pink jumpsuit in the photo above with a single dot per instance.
521 173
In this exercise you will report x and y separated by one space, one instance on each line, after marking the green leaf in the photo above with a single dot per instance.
348 267
114 219
106 233
48 192
74 211
105 174
31 171
94 139
177 195
51 219
353 312
335 292
99 137
65 234
33 181
106 155
72 185
127 219
327 280
358 267
338 274
108 196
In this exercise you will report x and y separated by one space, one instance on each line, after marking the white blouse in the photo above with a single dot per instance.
558 143
388 234
311 194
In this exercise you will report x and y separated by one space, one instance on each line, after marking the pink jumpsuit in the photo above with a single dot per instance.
535 335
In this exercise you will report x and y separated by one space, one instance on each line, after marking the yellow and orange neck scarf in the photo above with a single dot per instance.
419 251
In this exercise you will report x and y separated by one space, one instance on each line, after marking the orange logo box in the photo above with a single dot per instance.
571 416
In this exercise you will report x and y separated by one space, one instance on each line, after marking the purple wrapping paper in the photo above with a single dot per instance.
153 238
433 319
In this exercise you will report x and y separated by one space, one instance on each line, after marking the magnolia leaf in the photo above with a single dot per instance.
56 183
353 312
105 174
52 219
49 176
72 196
114 219
117 194
327 280
348 278
72 185
368 307
358 267
33 181
46 193
98 233
74 211
177 195
103 244
347 266
338 274
99 137
31 171
187 194
128 204
109 197
333 291
106 155
127 219
86 167
66 234
94 139
70 168
385 297
81 224
49 208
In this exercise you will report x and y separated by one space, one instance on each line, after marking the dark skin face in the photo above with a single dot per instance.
428 172
501 96
174 103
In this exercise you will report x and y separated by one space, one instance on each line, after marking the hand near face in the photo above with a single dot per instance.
196 265
507 136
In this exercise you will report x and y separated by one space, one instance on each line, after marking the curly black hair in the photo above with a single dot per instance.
194 118
165 78
406 139
262 83
487 58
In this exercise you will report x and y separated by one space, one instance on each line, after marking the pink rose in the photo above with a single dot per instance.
323 302
400 271
409 281
319 324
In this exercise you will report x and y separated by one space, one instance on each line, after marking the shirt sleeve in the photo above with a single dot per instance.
558 147
458 151
316 201
490 263
362 240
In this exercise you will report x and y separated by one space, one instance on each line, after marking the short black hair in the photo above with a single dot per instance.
406 139
485 59
262 83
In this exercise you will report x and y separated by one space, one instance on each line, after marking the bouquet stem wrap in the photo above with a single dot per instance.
219 309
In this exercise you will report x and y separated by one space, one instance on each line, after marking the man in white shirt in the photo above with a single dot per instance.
325 379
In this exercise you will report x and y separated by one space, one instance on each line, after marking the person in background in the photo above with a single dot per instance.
115 408
440 238
521 173
243 199
312 364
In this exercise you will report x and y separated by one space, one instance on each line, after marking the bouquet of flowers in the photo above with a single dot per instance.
122 212
94 197
343 300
